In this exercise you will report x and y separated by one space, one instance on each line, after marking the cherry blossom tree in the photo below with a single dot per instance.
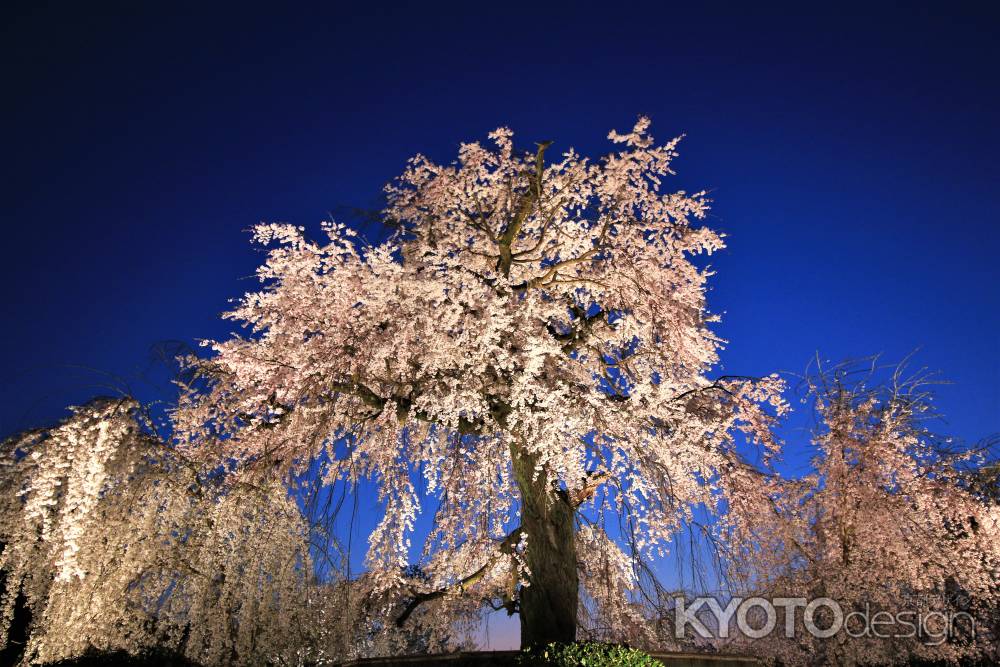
889 525
528 358
114 542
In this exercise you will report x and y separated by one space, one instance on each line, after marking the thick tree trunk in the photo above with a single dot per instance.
548 605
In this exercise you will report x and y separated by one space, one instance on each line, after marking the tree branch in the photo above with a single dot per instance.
506 547
534 194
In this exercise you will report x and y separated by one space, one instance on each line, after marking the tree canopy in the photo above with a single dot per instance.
535 332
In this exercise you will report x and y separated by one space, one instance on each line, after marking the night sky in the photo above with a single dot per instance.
851 155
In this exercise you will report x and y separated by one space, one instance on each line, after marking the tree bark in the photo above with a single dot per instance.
548 605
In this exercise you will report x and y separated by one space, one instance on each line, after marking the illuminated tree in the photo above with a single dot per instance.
118 544
888 524
532 347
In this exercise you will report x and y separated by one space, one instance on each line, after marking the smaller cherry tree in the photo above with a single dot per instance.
889 525
116 542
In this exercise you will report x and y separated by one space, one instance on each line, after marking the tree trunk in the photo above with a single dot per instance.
548 605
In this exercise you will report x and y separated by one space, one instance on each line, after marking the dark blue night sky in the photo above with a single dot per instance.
851 154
